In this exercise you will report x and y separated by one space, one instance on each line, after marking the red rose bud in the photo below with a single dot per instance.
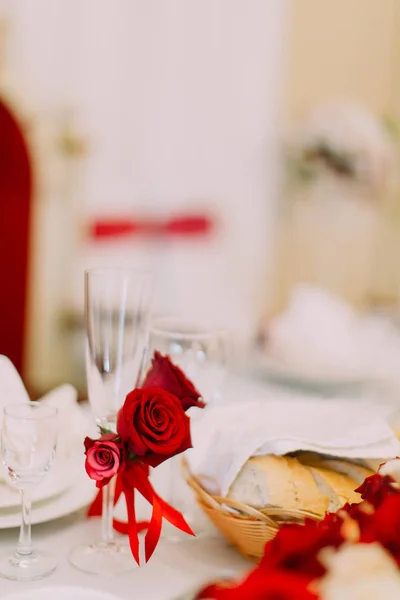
103 458
164 374
153 424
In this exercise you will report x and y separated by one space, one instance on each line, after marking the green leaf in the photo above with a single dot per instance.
104 431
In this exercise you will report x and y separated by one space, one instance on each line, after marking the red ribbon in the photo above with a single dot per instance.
135 476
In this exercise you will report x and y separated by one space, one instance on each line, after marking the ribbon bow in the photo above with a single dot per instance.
135 476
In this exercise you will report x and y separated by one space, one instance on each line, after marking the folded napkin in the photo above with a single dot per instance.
225 437
72 420
11 387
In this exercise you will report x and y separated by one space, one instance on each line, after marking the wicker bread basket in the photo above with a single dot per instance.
245 527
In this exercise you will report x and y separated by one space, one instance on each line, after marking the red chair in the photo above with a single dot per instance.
15 212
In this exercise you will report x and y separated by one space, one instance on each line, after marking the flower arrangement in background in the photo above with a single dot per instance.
152 426
346 141
353 554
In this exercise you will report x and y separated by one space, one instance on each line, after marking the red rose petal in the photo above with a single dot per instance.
154 425
164 374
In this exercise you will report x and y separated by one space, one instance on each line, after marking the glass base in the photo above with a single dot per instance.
28 567
103 558
171 534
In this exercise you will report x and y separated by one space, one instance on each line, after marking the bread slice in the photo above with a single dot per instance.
352 470
278 481
355 471
338 487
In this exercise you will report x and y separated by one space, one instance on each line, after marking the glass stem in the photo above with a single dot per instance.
107 531
24 547
174 496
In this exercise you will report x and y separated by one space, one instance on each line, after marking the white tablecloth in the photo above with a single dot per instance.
173 569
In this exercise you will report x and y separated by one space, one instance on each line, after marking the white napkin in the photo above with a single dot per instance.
11 387
72 421
320 333
225 437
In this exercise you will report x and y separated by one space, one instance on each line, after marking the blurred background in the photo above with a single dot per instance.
238 148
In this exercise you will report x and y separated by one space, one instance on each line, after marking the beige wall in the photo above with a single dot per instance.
342 48
350 50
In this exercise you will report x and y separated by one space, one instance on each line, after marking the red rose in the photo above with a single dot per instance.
164 374
361 513
103 458
376 489
295 548
154 425
383 526
262 585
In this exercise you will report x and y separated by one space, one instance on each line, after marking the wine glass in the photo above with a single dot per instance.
28 444
117 313
202 354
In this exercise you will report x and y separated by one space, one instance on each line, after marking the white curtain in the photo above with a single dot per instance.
180 101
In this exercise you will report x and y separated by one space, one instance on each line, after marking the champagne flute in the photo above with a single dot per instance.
117 313
28 443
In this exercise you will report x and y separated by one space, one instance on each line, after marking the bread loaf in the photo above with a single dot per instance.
312 484
278 481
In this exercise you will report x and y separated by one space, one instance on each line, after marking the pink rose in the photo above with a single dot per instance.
103 458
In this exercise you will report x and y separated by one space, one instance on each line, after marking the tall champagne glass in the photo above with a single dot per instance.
117 313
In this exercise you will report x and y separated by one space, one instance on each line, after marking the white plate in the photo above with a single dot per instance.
62 593
270 367
56 481
77 496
